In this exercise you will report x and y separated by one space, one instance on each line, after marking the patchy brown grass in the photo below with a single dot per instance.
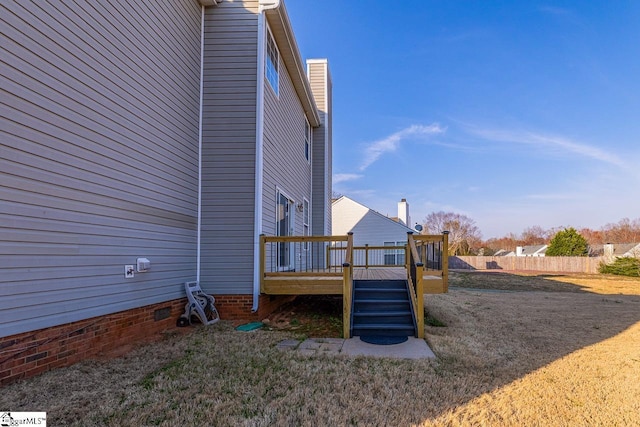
564 355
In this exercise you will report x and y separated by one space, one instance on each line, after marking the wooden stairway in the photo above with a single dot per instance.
382 308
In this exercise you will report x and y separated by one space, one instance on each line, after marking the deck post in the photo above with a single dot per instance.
263 256
445 261
366 255
420 299
347 290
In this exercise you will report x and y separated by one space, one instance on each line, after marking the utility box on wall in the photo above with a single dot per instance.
143 264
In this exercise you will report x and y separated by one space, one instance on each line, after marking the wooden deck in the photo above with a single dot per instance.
386 273
331 283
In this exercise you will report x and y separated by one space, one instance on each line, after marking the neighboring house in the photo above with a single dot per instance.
370 227
532 250
178 133
504 252
613 250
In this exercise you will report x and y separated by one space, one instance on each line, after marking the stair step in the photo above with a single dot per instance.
378 296
382 307
384 326
396 284
402 316
376 307
382 313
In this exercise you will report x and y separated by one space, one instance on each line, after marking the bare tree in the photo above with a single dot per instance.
535 235
464 235
594 237
624 231
508 242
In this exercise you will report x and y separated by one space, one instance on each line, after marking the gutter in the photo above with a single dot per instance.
259 165
200 145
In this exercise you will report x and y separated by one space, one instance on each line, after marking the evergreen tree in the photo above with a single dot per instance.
567 242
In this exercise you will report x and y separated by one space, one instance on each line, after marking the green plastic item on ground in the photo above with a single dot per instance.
250 326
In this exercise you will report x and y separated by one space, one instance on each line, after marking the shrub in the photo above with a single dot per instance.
567 242
623 266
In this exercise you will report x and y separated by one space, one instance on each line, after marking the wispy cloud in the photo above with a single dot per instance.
552 196
374 150
554 10
549 141
343 177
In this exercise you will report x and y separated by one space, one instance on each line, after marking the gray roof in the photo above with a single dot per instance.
531 249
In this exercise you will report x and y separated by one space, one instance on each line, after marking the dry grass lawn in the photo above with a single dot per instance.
517 349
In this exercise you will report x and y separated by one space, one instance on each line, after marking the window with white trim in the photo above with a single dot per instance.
394 256
271 65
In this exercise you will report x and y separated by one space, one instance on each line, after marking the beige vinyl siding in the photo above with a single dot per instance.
285 165
229 137
320 81
98 157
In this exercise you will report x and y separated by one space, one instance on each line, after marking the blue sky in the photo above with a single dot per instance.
513 113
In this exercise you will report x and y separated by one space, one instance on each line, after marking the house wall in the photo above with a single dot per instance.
99 106
285 165
229 138
321 87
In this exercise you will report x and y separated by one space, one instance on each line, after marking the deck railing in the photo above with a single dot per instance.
303 254
347 292
416 283
372 256
433 252
314 265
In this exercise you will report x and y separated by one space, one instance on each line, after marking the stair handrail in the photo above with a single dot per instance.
347 289
416 286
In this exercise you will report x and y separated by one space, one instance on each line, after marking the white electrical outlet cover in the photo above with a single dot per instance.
129 271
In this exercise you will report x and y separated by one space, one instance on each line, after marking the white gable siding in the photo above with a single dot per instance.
346 214
98 157
368 226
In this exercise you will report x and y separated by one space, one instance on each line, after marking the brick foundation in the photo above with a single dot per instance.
238 307
31 353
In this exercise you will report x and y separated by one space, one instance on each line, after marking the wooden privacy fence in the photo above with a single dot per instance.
564 264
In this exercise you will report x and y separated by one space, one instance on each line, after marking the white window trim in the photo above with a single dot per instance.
306 220
292 219
308 138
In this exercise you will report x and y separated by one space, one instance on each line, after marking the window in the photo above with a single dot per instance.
271 66
307 140
305 221
394 256
284 227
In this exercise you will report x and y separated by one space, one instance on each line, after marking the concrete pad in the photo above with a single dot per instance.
413 348
288 345
309 344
